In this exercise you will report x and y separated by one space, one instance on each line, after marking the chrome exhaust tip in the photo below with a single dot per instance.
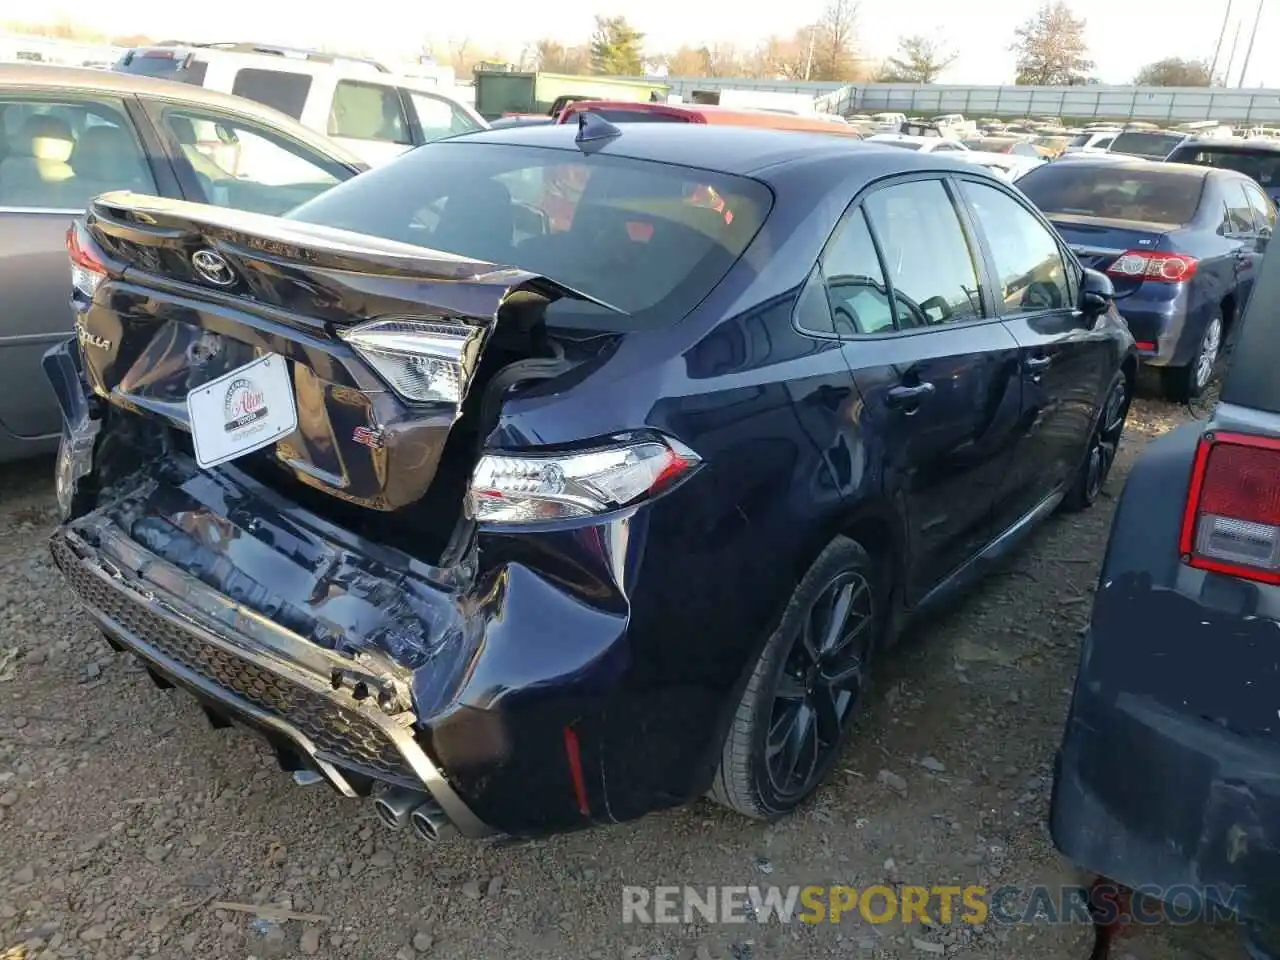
393 806
430 823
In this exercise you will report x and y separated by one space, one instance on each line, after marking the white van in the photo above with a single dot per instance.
374 113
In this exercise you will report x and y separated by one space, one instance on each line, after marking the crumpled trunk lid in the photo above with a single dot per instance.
196 294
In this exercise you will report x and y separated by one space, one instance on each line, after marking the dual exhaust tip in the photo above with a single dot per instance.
398 806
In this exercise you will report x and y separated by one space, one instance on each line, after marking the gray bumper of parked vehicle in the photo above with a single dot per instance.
1169 772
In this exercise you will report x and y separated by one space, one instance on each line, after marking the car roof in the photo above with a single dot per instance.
745 151
57 79
1233 146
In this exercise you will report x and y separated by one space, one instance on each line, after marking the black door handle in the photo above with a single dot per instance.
1038 363
903 396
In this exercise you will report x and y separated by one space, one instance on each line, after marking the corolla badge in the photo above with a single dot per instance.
212 266
88 339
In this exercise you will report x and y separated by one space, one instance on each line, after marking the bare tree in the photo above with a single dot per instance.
554 57
685 62
1051 47
918 60
1175 72
781 58
834 42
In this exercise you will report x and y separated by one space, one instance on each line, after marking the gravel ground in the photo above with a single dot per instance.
125 819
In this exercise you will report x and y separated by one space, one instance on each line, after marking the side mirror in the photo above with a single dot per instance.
1097 293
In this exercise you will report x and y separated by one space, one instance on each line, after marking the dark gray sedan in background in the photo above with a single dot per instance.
69 134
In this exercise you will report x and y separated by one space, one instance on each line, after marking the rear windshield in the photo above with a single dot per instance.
1152 146
1261 165
649 238
1149 194
166 65
1080 140
631 116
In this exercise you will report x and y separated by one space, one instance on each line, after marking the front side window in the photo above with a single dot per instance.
926 256
368 111
854 279
649 238
245 166
437 117
286 92
1029 267
63 153
1264 211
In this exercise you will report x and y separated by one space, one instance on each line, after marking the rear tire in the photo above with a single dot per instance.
1104 443
1182 384
797 710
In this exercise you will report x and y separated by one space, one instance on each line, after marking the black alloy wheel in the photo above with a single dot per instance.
807 686
821 684
1104 444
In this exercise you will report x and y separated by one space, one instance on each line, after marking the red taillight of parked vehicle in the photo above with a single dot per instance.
1148 265
87 271
1232 519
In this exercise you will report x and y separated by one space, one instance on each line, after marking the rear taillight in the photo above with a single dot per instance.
423 361
525 488
1148 265
1232 519
87 271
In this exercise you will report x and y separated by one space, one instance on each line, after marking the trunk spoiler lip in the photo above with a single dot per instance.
126 215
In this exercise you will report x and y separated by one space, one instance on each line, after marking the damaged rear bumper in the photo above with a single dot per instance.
1169 772
349 719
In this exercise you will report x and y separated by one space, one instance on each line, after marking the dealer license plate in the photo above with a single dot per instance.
242 411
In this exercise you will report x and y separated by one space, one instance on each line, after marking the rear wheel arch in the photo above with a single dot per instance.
1228 306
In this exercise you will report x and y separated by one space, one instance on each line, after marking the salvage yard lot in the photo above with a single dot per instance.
125 819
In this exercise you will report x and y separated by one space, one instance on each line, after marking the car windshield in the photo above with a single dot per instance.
1152 146
1262 165
1081 140
1151 195
163 64
624 115
650 239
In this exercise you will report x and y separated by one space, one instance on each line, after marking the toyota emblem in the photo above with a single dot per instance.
213 267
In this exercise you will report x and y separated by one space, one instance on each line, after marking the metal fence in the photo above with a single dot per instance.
1156 104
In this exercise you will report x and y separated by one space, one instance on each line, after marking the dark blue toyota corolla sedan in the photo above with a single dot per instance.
1181 243
547 477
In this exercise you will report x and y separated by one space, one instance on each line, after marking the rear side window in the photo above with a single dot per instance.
854 280
926 255
649 238
368 111
286 92
1150 195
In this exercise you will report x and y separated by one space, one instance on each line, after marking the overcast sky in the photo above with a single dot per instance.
1122 36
